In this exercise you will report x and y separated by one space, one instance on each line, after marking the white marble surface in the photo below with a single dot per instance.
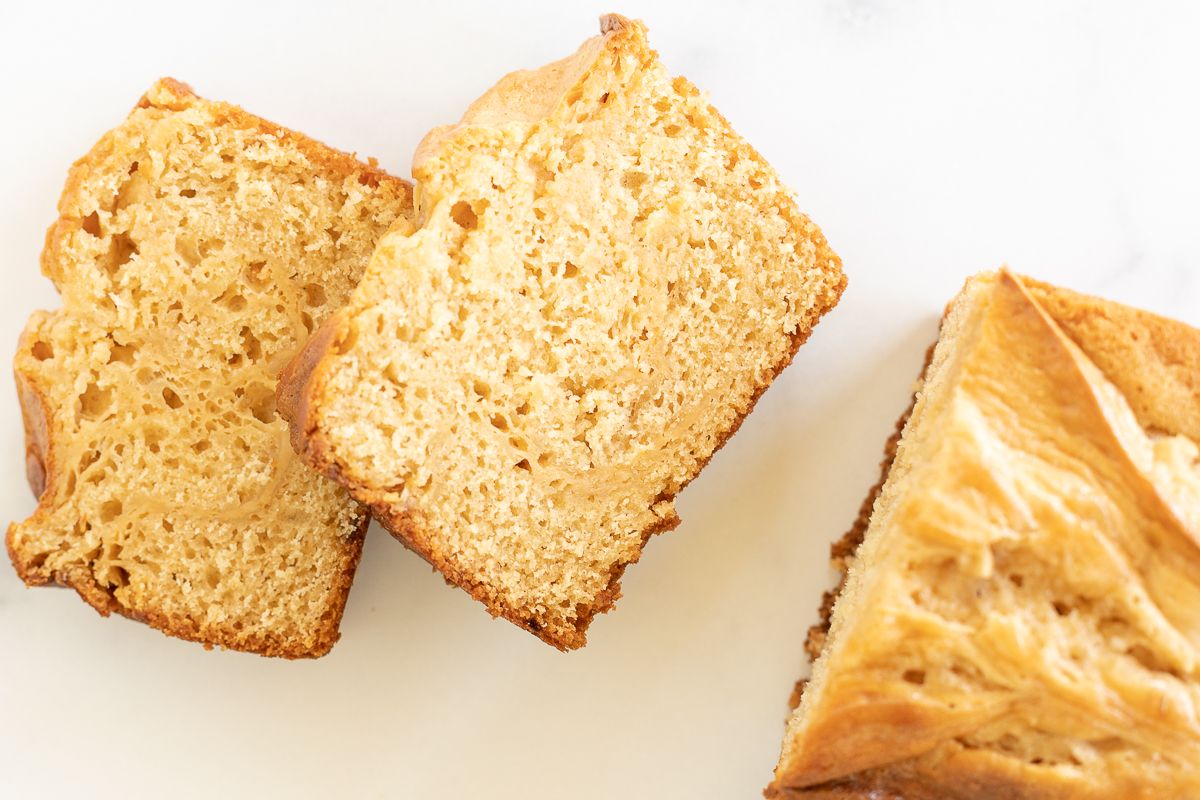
929 139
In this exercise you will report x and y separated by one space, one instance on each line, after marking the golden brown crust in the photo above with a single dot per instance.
1155 362
905 783
844 791
336 161
525 95
174 95
91 592
39 464
170 94
407 533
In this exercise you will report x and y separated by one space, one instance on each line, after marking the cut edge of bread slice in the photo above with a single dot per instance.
1153 361
517 106
93 256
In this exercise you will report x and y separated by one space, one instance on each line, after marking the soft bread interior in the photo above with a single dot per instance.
598 295
198 248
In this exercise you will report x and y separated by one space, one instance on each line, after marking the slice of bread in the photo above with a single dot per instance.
606 279
197 248
1021 611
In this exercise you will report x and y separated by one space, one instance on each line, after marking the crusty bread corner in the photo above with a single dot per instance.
527 95
903 783
519 102
174 95
1155 362
40 416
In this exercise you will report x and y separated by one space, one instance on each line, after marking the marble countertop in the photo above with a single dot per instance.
930 140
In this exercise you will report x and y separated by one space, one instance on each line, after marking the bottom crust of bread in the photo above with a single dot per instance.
99 598
405 530
39 460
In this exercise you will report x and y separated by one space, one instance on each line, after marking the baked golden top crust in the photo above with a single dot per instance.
1022 618
606 278
197 247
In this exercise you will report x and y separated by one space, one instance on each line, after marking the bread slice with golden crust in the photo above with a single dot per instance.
196 249
606 279
1019 617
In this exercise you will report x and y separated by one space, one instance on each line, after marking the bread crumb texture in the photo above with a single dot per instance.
1022 617
197 248
606 278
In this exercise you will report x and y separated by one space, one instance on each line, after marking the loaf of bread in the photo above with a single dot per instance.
196 249
605 280
1021 611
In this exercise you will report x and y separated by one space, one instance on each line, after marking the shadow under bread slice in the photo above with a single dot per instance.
1022 615
197 248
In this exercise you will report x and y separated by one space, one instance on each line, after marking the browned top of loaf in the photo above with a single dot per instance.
1155 363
